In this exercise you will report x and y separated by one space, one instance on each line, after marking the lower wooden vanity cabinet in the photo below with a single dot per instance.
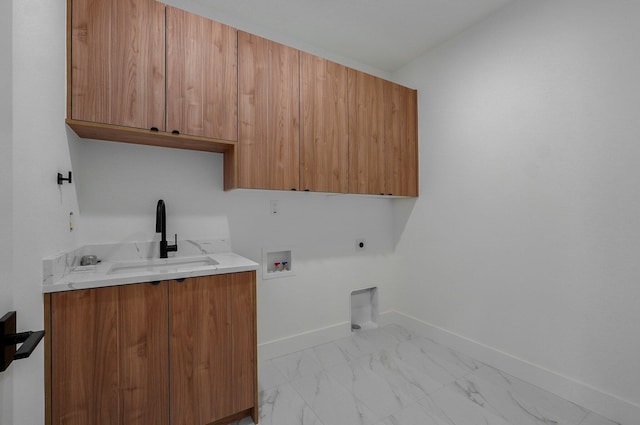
171 352
108 355
212 343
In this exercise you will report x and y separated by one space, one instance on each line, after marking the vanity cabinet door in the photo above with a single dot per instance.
244 343
213 348
117 55
108 357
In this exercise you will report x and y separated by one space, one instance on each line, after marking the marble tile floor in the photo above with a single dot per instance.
389 376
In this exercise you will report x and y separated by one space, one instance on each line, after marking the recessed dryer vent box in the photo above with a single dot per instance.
364 309
277 262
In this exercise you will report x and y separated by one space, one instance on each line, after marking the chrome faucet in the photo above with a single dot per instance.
161 227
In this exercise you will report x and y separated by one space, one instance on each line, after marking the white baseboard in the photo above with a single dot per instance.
302 341
598 401
279 347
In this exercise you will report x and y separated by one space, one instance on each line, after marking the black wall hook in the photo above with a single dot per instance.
64 179
9 338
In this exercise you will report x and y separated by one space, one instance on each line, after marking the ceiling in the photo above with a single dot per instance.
383 34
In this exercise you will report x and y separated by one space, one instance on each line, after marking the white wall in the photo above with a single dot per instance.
119 185
526 236
6 210
40 206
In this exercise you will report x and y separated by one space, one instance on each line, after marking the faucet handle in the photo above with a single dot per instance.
173 248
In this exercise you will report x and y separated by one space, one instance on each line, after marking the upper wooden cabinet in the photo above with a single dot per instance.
366 133
117 62
293 119
142 72
202 76
383 144
269 114
401 140
324 138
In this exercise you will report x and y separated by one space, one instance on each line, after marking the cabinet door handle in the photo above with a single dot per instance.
155 283
154 129
180 280
175 132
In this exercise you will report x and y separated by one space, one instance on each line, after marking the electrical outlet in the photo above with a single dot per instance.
274 208
361 244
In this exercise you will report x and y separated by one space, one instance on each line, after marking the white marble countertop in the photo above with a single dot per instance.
122 264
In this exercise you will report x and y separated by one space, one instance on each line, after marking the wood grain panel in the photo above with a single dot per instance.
118 62
143 356
201 76
243 341
231 168
269 110
254 154
138 63
324 139
109 356
47 359
284 111
366 133
200 366
401 141
411 176
89 130
91 53
85 357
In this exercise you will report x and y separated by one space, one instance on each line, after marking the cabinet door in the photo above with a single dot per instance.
108 356
324 139
244 342
117 62
366 133
401 140
202 90
212 346
269 110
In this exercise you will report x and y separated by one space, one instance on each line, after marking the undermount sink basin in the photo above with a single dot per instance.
162 265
